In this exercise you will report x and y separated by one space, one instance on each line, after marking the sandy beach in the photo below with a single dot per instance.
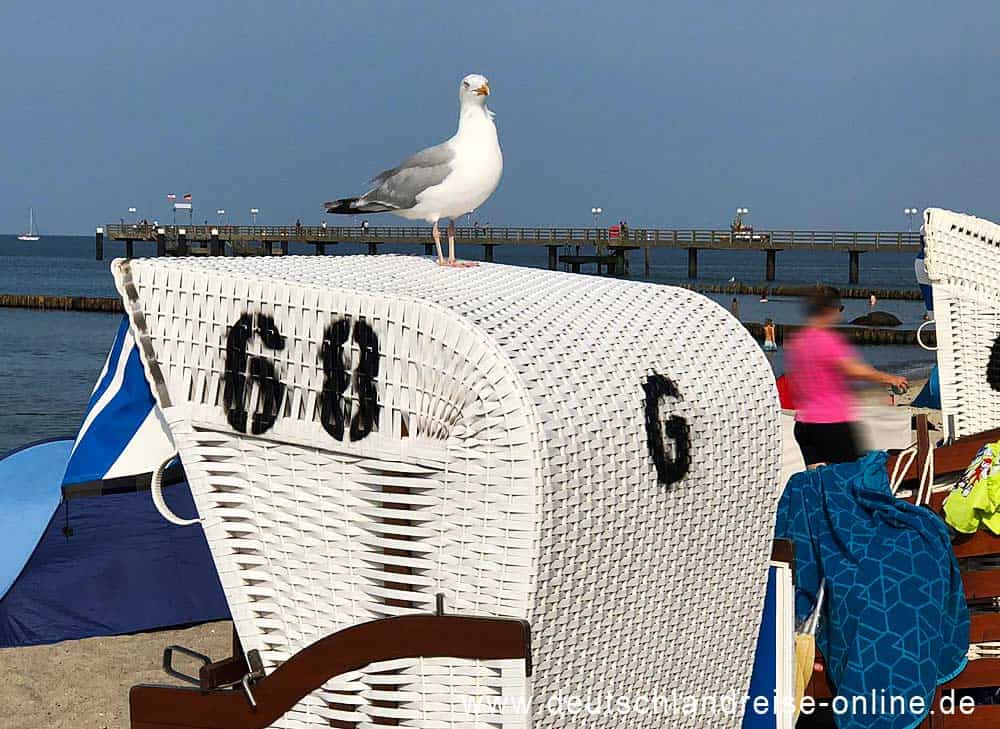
83 684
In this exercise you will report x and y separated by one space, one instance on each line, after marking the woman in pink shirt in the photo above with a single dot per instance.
820 364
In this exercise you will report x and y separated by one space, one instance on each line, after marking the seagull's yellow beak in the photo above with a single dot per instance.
483 90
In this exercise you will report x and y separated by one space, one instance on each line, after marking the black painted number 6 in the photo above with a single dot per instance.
669 470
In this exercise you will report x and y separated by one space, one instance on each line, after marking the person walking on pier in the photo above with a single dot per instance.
820 366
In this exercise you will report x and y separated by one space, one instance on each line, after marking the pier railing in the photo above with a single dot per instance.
504 235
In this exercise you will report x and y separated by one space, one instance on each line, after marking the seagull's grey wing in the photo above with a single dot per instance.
399 186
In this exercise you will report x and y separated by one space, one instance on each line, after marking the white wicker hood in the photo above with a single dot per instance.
963 264
389 429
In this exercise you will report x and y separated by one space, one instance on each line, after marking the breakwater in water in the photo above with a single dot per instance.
856 334
103 304
738 289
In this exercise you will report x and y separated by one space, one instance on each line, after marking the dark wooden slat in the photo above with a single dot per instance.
783 550
954 458
981 584
983 717
984 672
409 636
980 544
985 628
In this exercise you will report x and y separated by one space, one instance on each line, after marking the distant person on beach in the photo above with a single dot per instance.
364 227
770 341
820 365
872 301
734 307
763 297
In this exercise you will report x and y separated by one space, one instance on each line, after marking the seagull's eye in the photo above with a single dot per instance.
465 84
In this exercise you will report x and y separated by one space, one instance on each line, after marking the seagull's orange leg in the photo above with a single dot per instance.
451 249
437 241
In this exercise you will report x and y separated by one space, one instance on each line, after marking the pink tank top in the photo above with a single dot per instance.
820 388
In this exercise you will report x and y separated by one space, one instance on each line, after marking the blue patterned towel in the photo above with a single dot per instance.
895 620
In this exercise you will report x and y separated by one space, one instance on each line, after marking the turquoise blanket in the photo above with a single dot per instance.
895 621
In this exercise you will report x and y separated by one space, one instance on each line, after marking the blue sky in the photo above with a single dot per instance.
815 115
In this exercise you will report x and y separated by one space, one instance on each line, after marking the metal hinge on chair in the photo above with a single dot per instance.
256 672
168 662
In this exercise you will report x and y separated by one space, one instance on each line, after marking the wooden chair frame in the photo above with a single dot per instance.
256 701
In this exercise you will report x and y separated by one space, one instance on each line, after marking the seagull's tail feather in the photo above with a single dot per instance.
355 205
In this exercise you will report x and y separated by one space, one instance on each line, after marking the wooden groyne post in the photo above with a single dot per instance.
103 304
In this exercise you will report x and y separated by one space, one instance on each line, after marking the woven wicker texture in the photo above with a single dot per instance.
963 263
510 468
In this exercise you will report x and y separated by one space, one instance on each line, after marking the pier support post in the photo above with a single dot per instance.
372 248
621 262
645 261
284 247
428 249
129 248
488 252
321 249
99 244
213 243
692 263
855 266
772 264
161 241
553 257
182 244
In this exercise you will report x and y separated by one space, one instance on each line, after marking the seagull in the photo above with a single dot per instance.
447 180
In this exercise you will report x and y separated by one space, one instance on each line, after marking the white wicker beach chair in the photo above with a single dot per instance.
596 456
963 263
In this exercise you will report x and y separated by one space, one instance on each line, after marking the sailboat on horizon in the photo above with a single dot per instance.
32 234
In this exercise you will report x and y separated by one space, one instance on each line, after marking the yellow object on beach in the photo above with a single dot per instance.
805 648
805 657
975 501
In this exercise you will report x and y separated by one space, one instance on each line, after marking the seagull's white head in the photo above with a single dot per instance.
473 90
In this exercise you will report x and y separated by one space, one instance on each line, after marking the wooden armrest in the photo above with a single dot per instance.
351 649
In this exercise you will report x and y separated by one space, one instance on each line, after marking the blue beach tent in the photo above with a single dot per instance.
83 550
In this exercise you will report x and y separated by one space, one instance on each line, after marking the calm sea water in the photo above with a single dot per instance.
50 360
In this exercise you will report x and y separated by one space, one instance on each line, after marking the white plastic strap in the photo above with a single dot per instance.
156 488
921 341
926 479
899 470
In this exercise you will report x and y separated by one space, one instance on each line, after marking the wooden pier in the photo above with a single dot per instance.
610 248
